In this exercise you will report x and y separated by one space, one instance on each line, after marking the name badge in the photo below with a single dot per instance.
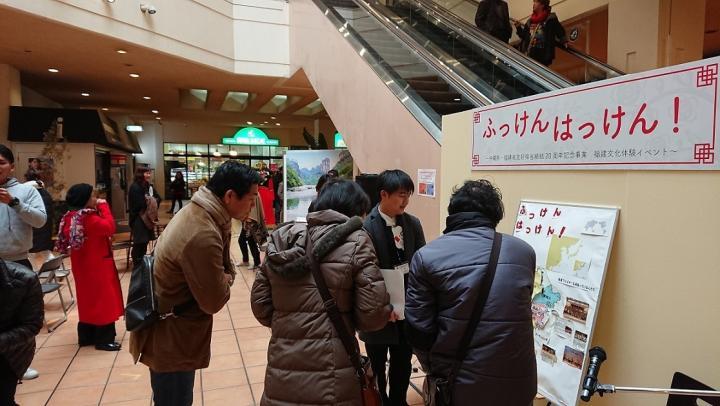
403 268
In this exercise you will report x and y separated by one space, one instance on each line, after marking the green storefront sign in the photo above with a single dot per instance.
250 136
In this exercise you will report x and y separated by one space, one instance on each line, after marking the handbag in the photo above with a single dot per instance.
368 384
141 310
437 389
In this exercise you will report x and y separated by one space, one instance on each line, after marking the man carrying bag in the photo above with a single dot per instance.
468 310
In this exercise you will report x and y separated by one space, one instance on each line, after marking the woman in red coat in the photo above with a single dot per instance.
85 232
267 196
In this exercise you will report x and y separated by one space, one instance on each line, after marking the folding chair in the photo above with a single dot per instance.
50 284
682 381
127 246
61 275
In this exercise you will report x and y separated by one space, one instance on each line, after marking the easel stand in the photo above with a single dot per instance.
605 388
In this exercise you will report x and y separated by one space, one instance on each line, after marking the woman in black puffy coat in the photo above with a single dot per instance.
21 318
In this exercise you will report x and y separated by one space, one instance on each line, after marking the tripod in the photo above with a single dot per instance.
592 386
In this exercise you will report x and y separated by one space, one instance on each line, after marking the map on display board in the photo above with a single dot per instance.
572 245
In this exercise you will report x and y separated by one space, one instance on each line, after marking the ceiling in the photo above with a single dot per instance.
89 62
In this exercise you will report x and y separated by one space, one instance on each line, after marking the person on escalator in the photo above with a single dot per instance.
493 17
541 33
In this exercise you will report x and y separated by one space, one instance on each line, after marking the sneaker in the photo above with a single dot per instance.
30 374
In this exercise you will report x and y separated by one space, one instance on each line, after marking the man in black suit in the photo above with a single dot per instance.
396 236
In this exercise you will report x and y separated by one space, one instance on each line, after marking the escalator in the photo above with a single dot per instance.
387 74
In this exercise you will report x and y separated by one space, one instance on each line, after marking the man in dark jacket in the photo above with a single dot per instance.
499 366
541 33
493 17
396 236
21 317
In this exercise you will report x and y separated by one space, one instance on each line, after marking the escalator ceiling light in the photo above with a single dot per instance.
346 34
362 52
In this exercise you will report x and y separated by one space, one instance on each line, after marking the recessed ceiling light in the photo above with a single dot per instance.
53 70
111 1
158 118
273 117
277 123
249 123
105 109
134 75
146 97
121 51
155 111
85 94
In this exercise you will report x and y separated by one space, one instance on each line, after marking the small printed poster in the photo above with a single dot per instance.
572 244
426 182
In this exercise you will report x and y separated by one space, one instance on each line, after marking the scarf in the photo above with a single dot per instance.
463 220
537 18
76 237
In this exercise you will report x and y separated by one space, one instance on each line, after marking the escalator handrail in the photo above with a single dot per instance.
527 66
406 95
453 78
610 70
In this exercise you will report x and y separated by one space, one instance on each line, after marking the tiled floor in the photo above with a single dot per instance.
70 375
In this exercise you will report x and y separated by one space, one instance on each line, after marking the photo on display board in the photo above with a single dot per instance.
576 310
547 354
580 339
303 169
573 357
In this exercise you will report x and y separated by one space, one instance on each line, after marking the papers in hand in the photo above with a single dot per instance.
395 285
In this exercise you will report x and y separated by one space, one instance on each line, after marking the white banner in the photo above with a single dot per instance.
572 246
661 119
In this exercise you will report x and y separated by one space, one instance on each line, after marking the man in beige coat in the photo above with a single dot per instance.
193 274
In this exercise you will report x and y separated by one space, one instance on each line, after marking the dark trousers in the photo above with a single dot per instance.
400 370
172 205
8 384
90 334
172 388
244 241
138 252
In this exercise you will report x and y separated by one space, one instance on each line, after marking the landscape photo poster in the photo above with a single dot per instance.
572 245
303 169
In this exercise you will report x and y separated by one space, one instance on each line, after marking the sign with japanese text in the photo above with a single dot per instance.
572 247
661 119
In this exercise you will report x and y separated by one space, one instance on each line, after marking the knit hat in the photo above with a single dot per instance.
78 196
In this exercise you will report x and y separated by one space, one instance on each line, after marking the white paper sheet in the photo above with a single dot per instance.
395 285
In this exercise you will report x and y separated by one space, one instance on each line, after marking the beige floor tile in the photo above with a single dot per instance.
219 325
62 351
134 373
227 361
123 391
124 358
217 349
33 399
223 379
256 374
251 333
64 338
45 382
244 322
89 395
255 358
257 390
240 396
51 365
256 344
91 377
100 361
139 402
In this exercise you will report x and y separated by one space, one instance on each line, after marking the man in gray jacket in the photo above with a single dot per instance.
499 365
21 209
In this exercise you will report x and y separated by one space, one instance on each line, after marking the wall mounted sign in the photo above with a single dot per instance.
250 136
664 119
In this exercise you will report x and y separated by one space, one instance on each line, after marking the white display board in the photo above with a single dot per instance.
661 119
572 245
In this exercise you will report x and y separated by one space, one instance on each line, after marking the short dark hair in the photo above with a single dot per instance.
478 196
393 180
233 175
322 180
344 197
140 175
31 175
6 153
545 3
